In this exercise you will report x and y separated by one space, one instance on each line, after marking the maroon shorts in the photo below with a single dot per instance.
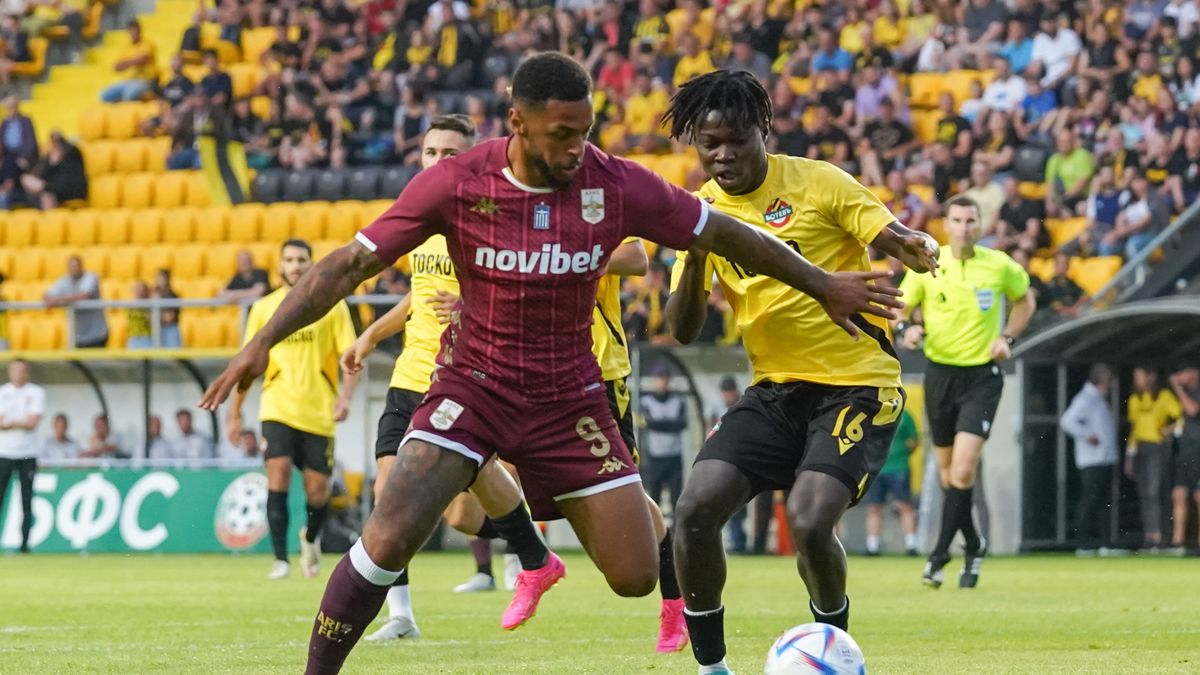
562 450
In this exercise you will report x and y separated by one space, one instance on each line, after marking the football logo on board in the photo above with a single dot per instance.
240 520
778 213
592 205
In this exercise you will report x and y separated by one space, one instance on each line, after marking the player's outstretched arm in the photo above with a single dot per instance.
842 294
629 260
917 250
322 287
687 307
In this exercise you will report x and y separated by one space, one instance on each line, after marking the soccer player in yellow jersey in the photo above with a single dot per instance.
434 287
820 416
300 404
965 339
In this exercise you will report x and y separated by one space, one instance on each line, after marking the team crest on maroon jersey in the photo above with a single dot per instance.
778 213
541 217
592 204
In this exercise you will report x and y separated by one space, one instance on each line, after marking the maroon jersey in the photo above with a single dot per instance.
529 259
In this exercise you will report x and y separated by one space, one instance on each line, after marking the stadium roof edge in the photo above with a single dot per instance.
1163 332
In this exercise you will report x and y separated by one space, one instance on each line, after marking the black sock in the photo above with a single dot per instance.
488 530
668 585
277 520
316 518
518 529
951 498
966 521
841 618
401 580
484 569
707 631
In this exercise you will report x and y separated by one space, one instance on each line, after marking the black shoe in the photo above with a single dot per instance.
912 553
972 563
934 570
873 554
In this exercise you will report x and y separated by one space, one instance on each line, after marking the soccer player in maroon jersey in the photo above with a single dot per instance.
530 221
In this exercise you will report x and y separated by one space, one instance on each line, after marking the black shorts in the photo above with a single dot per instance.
622 412
393 423
961 399
778 430
307 451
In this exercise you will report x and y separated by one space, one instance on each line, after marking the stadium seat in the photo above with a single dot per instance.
937 229
125 262
203 333
881 192
255 41
262 107
211 225
158 257
130 156
246 77
924 89
157 150
45 334
343 221
1065 230
145 227
309 220
179 226
298 186
30 265
1042 268
394 180
323 247
925 123
220 261
1030 163
6 266
21 228
363 183
197 189
118 328
958 83
188 264
52 228
114 289
169 189
267 185
923 192
265 255
99 157
36 65
368 212
675 168
112 227
104 192
122 120
278 222
245 222
92 121
1030 190
81 227
1093 273
330 185
95 259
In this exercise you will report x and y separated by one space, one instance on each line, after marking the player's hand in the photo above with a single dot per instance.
848 294
912 337
233 427
443 305
353 358
341 410
920 252
241 372
1000 350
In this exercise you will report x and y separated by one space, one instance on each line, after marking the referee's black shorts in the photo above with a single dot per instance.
961 399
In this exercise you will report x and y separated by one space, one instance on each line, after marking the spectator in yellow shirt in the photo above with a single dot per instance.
138 64
643 112
1153 411
695 61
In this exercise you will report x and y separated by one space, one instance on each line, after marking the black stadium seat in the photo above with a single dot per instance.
298 186
363 183
394 179
266 186
1031 163
331 185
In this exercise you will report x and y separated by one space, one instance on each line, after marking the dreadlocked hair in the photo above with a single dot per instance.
736 94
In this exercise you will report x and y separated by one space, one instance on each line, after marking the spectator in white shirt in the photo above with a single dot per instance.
91 328
1089 421
1055 48
60 445
191 444
21 408
1185 14
1007 90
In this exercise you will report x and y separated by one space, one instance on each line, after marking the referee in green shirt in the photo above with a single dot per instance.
965 339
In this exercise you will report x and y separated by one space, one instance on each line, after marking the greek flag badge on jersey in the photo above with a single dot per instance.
541 217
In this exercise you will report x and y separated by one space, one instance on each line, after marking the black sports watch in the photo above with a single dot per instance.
1009 339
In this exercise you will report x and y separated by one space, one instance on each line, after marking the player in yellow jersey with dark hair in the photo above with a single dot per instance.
820 416
299 406
434 281
966 337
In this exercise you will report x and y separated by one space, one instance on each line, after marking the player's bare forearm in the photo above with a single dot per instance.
755 249
332 280
1022 312
390 323
349 384
917 250
687 307
629 260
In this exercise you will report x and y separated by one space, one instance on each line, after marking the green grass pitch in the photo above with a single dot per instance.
200 614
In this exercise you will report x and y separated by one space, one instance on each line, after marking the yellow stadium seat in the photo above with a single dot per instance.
46 334
201 332
137 190
1042 268
343 220
81 227
188 263
95 259
157 149
925 124
924 89
323 247
246 77
52 228
104 192
923 192
197 189
179 226
211 225
1030 190
6 263
199 287
99 157
112 227
21 227
116 289
881 192
278 222
158 257
937 229
255 41
145 227
30 265
309 220
220 261
958 83
36 65
675 168
93 18
1093 273
1065 230
266 255
125 262
92 121
131 156
118 328
170 189
122 120
368 212
245 221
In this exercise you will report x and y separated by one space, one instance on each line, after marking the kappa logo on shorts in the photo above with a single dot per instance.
445 415
612 465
